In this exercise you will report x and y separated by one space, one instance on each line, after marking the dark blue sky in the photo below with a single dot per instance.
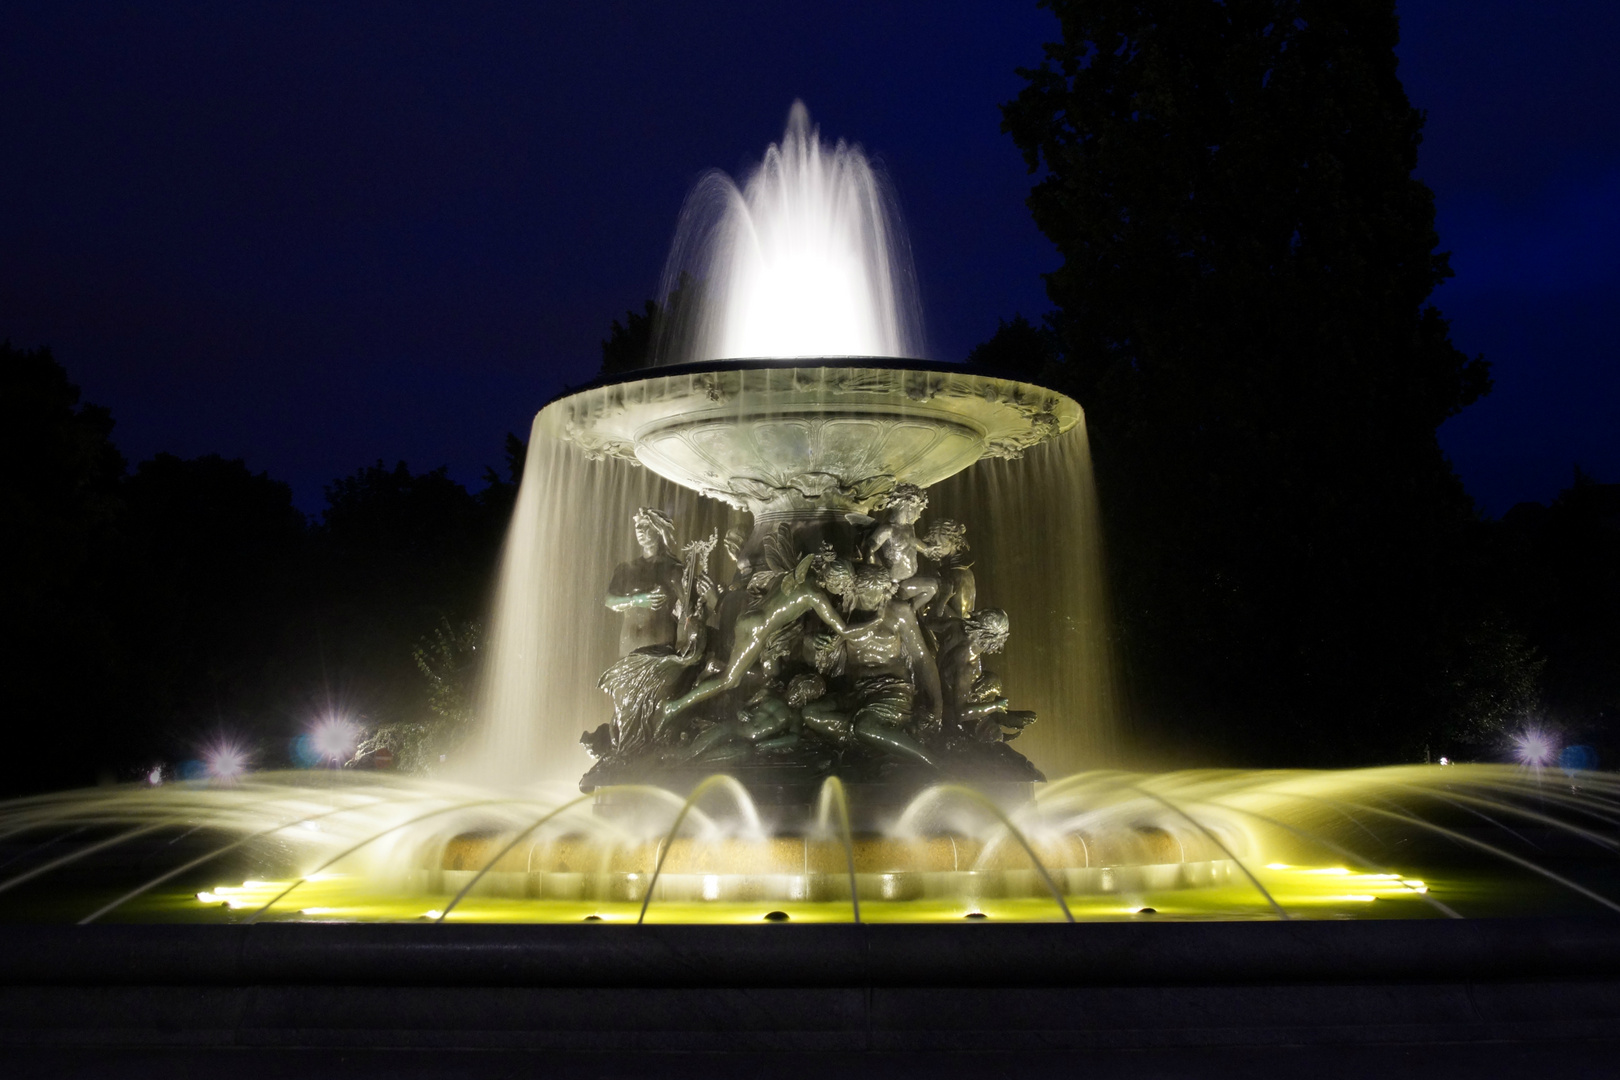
316 235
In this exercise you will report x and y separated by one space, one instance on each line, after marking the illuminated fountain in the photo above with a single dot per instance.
785 680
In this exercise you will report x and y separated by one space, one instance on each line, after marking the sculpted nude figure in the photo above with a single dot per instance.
770 722
645 589
805 590
891 644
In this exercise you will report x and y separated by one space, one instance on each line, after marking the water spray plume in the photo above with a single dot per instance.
807 258
406 849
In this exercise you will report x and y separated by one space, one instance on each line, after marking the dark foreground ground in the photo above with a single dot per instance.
1476 998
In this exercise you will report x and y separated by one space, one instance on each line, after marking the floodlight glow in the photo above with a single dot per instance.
225 761
334 738
1534 747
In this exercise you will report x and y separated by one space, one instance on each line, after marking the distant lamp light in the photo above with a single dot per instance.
155 776
1534 747
333 739
225 762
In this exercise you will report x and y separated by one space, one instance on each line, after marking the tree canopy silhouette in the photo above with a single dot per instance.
1242 308
151 613
661 332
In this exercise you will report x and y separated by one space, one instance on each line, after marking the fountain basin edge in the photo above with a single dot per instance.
1020 992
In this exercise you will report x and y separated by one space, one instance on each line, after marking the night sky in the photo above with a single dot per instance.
312 236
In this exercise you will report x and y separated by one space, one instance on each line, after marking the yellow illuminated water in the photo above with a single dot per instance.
1407 842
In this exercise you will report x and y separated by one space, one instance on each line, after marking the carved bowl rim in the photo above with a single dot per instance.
884 363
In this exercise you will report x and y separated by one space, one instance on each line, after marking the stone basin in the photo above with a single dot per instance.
821 436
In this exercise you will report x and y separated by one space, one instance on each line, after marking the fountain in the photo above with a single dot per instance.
856 578
773 616
786 686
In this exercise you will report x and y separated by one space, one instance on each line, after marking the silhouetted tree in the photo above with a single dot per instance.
449 658
60 503
147 614
398 553
213 574
1560 569
628 346
500 492
1020 348
1243 311
655 334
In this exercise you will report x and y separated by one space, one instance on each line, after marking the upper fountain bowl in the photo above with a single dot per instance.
809 436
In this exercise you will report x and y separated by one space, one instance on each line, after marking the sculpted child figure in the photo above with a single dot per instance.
976 704
894 544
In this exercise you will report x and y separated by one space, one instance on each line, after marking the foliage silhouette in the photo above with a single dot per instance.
659 333
59 518
158 611
1243 310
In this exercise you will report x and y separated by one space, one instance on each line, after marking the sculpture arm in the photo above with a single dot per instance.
654 599
822 606
864 629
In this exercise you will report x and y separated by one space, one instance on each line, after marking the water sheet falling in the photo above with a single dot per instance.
807 258
551 636
1037 553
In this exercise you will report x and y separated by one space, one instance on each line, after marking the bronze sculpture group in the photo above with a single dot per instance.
847 645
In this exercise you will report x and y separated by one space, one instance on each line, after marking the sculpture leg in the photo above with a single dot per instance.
984 708
741 658
779 745
918 591
964 593
893 740
823 718
886 706
718 735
